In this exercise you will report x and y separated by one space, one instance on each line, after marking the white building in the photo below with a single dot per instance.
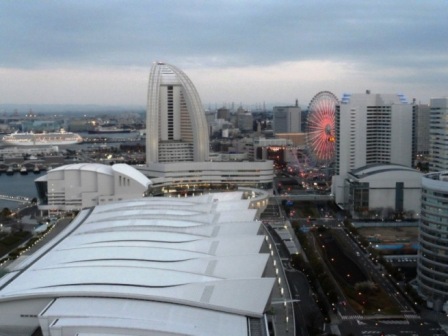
177 142
175 119
77 186
370 129
438 134
379 187
204 175
150 266
286 119
432 270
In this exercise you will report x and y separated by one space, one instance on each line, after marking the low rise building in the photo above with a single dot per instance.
378 187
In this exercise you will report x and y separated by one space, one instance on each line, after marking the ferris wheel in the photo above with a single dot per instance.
320 136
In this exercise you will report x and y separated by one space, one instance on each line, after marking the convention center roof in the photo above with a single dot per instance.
190 265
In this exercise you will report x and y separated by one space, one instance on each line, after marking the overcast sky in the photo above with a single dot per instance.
241 51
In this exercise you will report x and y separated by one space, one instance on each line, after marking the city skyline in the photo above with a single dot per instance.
251 52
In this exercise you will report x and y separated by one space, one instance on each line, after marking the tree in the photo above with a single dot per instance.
5 213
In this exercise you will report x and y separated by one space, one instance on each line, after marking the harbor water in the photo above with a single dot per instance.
17 185
23 185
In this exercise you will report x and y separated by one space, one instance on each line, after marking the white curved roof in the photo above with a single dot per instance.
127 170
94 167
382 168
181 256
121 168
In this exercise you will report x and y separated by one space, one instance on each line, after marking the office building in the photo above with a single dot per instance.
286 119
371 129
420 142
223 113
432 270
175 119
244 120
438 136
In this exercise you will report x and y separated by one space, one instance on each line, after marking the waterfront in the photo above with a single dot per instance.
23 185
17 185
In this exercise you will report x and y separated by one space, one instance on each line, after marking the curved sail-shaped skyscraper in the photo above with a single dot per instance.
176 128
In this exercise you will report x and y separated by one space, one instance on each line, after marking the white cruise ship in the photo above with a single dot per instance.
42 139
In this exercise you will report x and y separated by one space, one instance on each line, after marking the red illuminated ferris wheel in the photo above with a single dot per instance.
320 136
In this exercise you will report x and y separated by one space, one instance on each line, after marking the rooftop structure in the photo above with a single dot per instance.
146 266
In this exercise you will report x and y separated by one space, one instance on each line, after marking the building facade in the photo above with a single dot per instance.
432 270
200 177
244 120
223 113
177 141
371 129
286 119
438 135
175 119
77 186
420 144
377 189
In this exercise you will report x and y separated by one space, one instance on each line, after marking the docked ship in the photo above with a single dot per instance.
109 129
60 138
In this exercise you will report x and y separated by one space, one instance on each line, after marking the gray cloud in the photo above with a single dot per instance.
392 43
219 33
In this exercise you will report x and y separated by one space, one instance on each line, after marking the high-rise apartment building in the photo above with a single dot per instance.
175 120
286 119
370 129
432 270
438 134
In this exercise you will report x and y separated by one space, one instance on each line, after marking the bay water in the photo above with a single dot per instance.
17 185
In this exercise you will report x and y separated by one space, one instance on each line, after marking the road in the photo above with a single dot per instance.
306 311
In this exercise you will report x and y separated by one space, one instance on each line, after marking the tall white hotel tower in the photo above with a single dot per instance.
371 128
175 121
